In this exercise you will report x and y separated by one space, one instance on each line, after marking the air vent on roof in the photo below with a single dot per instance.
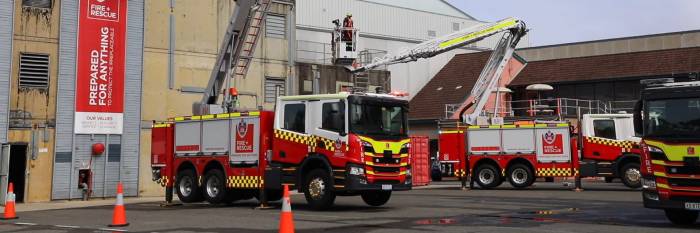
439 89
458 87
34 70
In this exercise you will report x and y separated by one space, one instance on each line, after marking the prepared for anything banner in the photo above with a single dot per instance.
99 91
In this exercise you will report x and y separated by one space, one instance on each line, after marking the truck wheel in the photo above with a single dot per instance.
682 217
215 186
186 187
317 190
488 176
376 198
520 176
631 176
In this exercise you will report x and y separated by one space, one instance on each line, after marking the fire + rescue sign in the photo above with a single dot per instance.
99 91
244 137
553 144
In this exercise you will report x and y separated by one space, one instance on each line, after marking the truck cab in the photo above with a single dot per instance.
610 148
668 115
342 144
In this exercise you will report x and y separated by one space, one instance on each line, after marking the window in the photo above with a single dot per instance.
455 27
276 26
432 34
37 3
274 87
333 117
295 117
34 70
604 129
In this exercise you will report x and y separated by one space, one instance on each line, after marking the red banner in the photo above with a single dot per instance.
99 91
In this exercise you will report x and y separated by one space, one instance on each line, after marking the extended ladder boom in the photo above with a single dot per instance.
446 43
236 50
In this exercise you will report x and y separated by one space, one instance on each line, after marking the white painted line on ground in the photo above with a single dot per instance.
67 226
26 223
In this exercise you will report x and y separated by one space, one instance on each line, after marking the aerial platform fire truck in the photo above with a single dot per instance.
524 150
668 115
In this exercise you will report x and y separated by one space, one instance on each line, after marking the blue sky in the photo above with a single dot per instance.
566 21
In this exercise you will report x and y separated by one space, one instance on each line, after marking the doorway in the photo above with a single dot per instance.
18 166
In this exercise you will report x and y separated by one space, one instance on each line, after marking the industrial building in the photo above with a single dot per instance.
603 75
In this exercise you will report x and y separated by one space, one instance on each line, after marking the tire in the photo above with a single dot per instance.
682 217
376 198
317 190
214 187
631 176
488 176
520 176
186 186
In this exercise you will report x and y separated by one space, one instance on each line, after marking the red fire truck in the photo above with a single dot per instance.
668 114
321 145
522 151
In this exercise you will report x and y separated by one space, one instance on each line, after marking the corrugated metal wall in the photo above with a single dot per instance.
377 19
65 102
7 9
73 152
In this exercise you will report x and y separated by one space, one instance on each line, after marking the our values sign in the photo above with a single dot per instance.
99 91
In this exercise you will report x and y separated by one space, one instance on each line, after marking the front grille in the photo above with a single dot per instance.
684 198
684 182
386 160
387 182
685 170
386 169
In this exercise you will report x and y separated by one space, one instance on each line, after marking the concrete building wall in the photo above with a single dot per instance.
199 28
613 46
33 110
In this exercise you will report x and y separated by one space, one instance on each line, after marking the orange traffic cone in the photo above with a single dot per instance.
119 217
10 204
286 218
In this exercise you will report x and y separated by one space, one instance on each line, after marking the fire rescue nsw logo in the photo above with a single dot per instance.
244 137
338 144
552 143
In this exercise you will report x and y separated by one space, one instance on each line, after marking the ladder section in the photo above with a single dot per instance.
250 34
361 81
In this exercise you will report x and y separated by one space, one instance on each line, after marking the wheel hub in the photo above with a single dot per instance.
519 176
213 184
316 188
633 175
186 186
486 176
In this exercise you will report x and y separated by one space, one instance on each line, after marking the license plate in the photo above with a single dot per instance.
386 187
692 206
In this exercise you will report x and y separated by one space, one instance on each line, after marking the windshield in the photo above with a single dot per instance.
371 119
673 118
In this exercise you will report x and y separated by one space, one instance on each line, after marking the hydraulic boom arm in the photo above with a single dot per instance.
488 79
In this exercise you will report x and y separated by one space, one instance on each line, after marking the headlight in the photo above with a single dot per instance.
656 153
405 147
367 147
357 171
649 184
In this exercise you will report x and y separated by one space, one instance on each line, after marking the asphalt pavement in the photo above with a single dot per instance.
443 207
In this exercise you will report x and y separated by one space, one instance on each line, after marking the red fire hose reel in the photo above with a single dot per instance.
98 149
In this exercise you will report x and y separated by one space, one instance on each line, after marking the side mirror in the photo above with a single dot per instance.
343 134
638 124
